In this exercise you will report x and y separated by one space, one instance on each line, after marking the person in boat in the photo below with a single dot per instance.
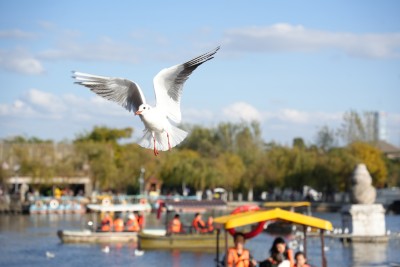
199 226
118 224
175 226
132 225
301 260
238 256
278 260
210 224
106 223
140 219
280 255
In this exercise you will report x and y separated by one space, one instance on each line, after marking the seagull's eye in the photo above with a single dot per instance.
144 107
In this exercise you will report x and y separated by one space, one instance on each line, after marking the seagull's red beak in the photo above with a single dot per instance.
138 112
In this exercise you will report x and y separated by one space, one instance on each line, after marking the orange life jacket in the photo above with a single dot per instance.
198 224
141 221
118 225
210 226
106 224
175 226
290 257
132 225
234 260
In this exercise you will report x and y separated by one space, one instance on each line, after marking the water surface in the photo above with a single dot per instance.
25 239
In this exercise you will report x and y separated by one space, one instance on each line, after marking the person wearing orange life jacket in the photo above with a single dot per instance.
238 256
140 219
106 223
118 224
210 224
198 224
132 225
175 226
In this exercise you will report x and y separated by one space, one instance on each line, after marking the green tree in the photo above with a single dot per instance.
230 169
104 134
326 138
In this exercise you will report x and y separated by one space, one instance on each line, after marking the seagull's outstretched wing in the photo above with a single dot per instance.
168 84
122 91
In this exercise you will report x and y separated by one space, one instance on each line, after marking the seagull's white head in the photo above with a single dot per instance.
143 108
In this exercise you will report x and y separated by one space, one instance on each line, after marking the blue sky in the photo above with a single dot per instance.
294 66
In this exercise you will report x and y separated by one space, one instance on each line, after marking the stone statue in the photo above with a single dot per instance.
362 191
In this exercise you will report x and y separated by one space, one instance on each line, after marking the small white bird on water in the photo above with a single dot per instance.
159 133
50 255
106 249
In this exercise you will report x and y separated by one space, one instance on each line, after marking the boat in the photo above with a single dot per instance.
282 227
46 205
158 239
292 206
93 235
193 205
229 222
88 236
119 207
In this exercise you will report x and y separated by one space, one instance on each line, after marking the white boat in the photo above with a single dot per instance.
87 236
120 207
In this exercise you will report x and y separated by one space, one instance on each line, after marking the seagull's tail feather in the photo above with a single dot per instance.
176 136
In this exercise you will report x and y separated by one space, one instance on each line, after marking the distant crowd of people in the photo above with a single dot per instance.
280 255
134 223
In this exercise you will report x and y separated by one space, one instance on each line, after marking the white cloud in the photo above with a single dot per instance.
295 116
241 111
75 114
196 116
19 60
44 101
16 109
40 104
286 37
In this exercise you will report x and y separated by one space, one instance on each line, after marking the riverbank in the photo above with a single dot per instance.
315 206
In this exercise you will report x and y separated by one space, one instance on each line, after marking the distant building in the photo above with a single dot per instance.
390 151
375 126
381 130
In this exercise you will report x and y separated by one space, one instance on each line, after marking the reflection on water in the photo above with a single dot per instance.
25 241
364 253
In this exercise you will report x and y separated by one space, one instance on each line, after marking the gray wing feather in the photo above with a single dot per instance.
168 84
122 91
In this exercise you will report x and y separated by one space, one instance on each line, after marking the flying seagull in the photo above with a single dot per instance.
159 133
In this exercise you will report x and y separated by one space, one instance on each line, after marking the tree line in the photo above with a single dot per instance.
229 155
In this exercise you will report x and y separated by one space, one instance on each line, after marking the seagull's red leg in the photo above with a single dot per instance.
155 149
169 144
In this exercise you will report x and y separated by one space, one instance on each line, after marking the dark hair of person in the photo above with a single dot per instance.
176 216
279 240
237 235
299 253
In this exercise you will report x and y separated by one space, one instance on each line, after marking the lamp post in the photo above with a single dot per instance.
141 179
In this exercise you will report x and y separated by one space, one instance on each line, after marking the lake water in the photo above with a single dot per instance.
25 239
